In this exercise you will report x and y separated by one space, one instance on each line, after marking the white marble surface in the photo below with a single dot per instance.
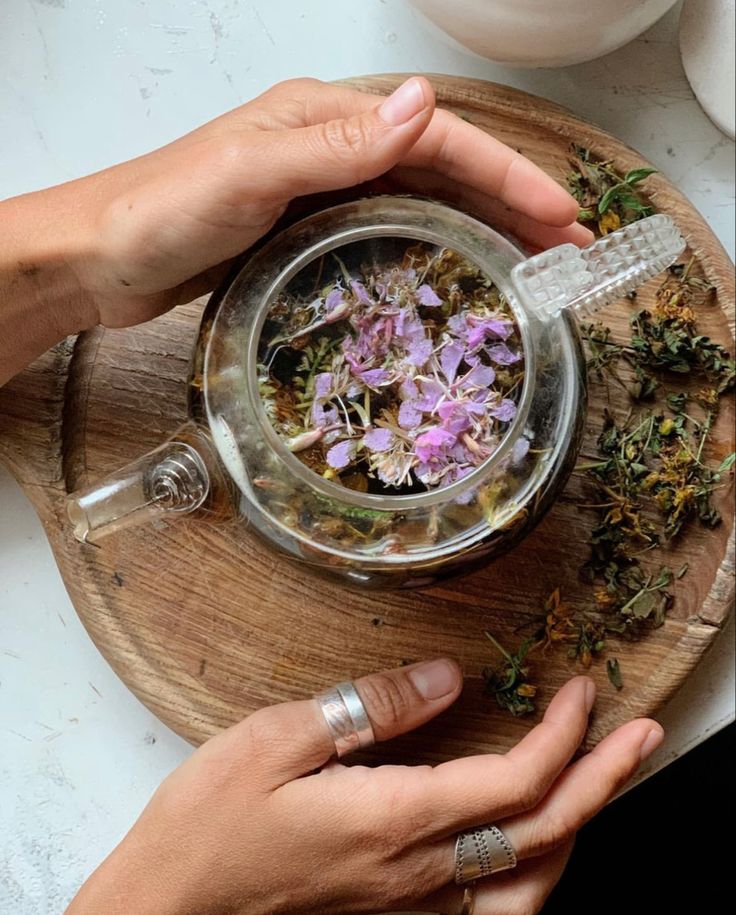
85 83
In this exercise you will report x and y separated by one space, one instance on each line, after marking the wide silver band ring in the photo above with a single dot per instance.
468 906
348 723
482 852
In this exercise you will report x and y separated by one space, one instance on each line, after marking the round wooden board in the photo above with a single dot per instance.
205 624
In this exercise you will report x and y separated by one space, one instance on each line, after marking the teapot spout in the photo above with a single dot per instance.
169 480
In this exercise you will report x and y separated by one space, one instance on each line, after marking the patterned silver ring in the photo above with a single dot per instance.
482 852
347 721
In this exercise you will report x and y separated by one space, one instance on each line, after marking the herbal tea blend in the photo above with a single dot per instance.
393 375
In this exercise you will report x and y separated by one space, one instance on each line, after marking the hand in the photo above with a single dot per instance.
160 228
259 821
126 244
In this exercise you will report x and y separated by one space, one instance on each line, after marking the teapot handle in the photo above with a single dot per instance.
588 279
174 479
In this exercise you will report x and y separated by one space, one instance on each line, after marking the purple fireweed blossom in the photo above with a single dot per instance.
502 355
334 299
428 381
432 445
427 296
340 455
504 412
378 439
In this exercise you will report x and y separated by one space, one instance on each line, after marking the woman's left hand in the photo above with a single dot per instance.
259 821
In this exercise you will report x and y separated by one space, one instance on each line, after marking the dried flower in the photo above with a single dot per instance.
400 386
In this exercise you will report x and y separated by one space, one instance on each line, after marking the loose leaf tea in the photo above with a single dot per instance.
509 683
397 377
607 199
650 477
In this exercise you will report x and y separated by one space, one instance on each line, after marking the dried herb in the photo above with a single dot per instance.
397 376
509 683
607 200
614 673
651 477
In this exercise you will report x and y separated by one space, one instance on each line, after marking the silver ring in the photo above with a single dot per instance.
482 852
468 900
346 718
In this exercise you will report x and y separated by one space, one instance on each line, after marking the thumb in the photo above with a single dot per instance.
345 151
290 740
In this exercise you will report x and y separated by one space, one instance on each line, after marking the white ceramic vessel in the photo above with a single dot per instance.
708 49
543 33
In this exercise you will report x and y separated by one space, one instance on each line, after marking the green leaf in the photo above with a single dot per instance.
614 673
643 605
727 463
604 204
665 577
638 174
676 402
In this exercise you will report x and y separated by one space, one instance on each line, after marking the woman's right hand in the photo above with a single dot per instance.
260 820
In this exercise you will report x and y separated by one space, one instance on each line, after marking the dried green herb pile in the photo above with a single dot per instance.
651 476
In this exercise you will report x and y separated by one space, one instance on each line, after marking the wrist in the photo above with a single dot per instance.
125 883
47 239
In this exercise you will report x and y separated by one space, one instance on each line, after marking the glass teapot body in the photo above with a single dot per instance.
231 453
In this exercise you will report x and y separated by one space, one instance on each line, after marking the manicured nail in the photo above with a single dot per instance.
590 692
403 103
650 743
435 678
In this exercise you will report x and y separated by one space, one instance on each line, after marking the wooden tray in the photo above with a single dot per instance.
204 630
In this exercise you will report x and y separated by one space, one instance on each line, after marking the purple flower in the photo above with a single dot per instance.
334 300
431 445
480 376
432 392
473 330
323 385
505 411
378 439
374 378
482 328
323 417
450 358
419 352
427 296
457 415
409 416
360 293
340 455
412 334
502 355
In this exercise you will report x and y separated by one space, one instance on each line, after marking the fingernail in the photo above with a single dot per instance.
435 678
650 743
590 692
403 103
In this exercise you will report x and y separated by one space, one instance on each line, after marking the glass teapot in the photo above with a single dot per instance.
229 453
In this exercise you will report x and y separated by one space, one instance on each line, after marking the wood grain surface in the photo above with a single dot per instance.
205 624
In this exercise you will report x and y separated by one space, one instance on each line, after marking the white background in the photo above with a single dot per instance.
86 83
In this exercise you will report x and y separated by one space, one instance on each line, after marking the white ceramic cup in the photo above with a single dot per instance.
543 33
707 29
